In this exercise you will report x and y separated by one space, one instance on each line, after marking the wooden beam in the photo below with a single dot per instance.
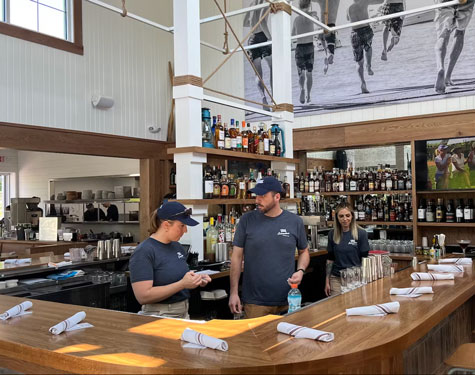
39 138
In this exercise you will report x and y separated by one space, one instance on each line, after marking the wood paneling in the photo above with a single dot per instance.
130 343
383 132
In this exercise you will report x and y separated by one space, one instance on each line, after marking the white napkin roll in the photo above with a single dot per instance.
456 261
423 276
300 332
375 310
18 261
445 267
17 310
418 290
194 337
67 324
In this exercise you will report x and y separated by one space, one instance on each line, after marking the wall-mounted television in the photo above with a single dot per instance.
445 164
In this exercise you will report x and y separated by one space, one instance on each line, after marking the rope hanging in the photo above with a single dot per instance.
226 34
124 10
326 16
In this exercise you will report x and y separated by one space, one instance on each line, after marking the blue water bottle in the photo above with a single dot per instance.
294 298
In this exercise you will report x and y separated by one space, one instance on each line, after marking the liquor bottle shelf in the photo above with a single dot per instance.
458 225
404 223
228 201
337 193
230 154
461 191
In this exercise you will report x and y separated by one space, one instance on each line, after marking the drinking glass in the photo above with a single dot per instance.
344 281
351 279
357 276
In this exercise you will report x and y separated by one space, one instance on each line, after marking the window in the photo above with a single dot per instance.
55 23
4 193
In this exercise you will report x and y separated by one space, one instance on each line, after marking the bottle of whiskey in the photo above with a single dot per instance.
245 138
440 211
239 146
219 134
227 138
265 139
430 212
286 188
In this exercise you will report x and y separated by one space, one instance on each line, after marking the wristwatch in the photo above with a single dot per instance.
301 269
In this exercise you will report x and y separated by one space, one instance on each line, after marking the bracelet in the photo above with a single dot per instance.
301 269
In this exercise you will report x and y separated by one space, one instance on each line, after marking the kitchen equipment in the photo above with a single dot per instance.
116 248
108 249
89 250
87 194
279 139
25 211
101 248
71 195
313 223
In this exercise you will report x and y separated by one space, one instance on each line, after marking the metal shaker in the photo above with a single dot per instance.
116 248
101 247
108 249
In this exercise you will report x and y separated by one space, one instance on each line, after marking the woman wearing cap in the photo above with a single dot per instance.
159 273
347 245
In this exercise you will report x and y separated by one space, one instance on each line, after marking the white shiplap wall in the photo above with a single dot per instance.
123 58
10 166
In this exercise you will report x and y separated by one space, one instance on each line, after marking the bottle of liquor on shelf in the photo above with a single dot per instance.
266 140
227 138
216 186
251 140
277 144
440 211
430 212
221 230
459 212
224 185
286 188
208 184
251 185
219 134
239 146
468 212
172 176
233 135
232 187
296 183
450 212
244 138
211 239
421 211
257 141
242 190
260 140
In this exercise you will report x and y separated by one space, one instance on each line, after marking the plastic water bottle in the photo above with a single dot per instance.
294 298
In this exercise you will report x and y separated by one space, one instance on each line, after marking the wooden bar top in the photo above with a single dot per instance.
129 343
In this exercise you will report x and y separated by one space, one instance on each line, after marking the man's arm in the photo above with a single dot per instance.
234 275
302 264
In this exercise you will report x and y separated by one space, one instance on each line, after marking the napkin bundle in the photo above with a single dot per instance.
70 324
18 261
196 339
17 310
375 310
300 332
423 276
467 261
445 268
411 292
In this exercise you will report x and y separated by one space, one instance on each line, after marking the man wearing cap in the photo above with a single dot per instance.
93 214
267 238
442 162
159 274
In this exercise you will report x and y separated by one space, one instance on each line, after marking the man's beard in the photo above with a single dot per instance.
266 209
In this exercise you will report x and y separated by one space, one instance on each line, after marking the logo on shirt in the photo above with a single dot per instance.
353 243
180 255
283 232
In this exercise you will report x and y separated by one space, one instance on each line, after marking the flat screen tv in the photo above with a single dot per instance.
445 164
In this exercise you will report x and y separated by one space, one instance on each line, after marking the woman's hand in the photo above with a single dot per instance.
205 279
327 287
191 280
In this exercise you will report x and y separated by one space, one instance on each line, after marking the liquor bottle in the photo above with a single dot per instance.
361 209
219 134
437 248
380 212
211 239
421 211
233 135
317 183
370 181
440 211
250 137
341 181
257 140
239 146
459 211
232 187
307 184
245 138
172 176
471 209
401 182
277 144
311 184
389 182
450 213
409 182
392 212
467 212
251 185
265 139
242 188
213 130
227 138
432 249
302 183
228 233
224 185
208 184
260 141
271 146
374 212
286 187
221 229
430 212
353 183
296 183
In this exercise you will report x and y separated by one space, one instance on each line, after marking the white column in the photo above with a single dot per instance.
281 29
188 97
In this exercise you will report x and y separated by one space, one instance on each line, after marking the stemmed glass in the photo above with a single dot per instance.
463 245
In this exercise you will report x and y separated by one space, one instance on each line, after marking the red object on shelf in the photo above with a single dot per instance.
379 252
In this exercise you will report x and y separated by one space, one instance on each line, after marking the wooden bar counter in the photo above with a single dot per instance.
424 332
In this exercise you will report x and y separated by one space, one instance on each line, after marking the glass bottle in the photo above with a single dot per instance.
468 212
219 134
232 187
286 187
430 212
233 135
450 213
251 185
227 138
265 140
245 138
440 211
459 214
421 211
239 146
216 187
208 184
211 239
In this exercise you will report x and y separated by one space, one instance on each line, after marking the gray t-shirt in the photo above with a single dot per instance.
163 263
348 252
269 255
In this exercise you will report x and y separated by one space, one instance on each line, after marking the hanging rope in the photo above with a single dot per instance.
124 10
326 16
226 34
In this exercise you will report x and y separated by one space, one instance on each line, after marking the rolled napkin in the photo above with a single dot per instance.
375 310
300 332
17 310
70 324
202 341
18 261
467 261
445 268
423 276
411 291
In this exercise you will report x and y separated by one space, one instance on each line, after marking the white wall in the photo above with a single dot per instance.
123 58
10 166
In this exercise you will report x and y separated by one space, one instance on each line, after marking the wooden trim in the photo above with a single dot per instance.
38 138
227 201
188 80
287 107
387 131
277 7
47 40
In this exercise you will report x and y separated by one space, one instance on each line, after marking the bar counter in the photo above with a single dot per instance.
424 332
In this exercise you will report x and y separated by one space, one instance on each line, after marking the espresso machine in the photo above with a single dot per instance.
25 211
314 223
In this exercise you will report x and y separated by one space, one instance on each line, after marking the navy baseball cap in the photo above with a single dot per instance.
176 211
267 184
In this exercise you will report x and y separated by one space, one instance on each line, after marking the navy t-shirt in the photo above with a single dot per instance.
269 255
348 252
162 263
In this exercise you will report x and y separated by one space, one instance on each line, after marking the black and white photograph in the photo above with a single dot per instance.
423 56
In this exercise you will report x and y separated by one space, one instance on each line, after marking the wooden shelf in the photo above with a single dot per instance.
460 191
230 154
333 193
227 201
100 222
446 225
82 201
172 186
404 223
